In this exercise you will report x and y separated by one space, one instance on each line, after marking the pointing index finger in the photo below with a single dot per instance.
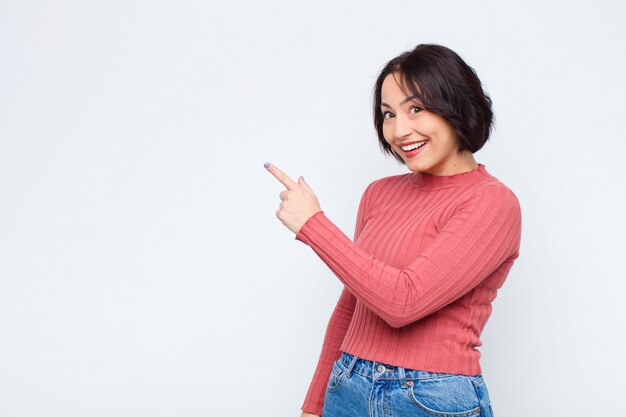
281 176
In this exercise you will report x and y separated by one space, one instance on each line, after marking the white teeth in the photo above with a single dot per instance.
413 146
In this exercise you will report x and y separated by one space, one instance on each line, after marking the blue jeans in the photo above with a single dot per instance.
360 388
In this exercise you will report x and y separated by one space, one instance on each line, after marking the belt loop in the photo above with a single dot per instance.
402 377
351 365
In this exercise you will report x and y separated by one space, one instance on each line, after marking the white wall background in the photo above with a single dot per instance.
142 269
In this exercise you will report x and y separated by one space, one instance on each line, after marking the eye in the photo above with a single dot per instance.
385 113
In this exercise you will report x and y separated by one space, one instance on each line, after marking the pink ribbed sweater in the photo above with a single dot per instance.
429 254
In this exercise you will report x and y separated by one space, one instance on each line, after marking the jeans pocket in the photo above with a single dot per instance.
444 396
336 376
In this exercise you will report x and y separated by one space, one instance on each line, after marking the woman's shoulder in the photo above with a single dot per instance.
383 186
492 186
389 180
494 195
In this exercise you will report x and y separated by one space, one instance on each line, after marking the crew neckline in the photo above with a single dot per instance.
435 182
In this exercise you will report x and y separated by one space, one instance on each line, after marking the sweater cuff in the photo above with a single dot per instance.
318 226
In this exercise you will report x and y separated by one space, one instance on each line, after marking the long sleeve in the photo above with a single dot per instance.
483 233
335 332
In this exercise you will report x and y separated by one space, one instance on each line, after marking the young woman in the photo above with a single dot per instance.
431 248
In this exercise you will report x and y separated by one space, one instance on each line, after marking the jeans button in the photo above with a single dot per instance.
380 368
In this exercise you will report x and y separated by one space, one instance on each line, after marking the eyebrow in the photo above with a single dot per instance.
403 101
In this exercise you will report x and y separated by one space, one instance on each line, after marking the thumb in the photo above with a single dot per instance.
303 183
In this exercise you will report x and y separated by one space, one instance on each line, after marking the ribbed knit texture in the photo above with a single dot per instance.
429 254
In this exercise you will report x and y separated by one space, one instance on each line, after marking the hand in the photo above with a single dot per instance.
298 200
305 414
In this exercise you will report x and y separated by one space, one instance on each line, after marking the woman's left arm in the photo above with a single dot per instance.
483 233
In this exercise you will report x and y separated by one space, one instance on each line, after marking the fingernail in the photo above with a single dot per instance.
266 164
302 178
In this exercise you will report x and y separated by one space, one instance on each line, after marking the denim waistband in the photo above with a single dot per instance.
380 370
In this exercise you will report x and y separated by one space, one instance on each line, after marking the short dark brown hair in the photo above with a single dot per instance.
445 85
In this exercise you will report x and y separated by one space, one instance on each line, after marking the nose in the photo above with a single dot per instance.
402 127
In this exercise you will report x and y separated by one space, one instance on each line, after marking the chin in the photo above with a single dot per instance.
413 166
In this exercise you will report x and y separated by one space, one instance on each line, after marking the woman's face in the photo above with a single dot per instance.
406 122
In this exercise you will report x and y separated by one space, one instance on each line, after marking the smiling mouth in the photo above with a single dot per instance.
414 148
413 145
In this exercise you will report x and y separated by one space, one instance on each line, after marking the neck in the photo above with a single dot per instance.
464 163
428 181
